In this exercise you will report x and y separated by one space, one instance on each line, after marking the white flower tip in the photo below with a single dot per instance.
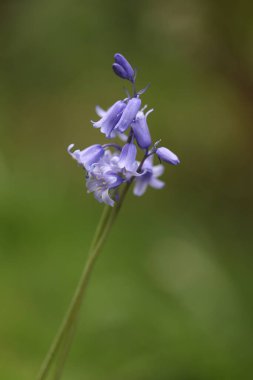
70 147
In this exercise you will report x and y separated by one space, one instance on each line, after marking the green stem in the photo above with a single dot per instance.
62 356
101 234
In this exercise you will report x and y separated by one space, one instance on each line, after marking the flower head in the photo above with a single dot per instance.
110 165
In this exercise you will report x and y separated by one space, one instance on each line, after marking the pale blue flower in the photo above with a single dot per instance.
114 133
127 159
88 156
110 119
110 165
141 130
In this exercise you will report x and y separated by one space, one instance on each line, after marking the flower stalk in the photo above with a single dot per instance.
104 226
108 169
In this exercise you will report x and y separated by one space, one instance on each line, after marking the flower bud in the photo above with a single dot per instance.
127 71
167 156
120 71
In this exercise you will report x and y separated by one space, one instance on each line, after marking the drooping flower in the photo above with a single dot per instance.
101 112
88 156
148 177
110 119
103 177
127 159
128 115
122 68
141 130
167 155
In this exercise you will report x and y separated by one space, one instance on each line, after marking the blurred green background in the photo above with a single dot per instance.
172 294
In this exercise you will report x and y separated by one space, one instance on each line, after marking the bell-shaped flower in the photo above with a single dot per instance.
128 114
110 119
122 68
167 155
127 159
101 112
148 177
141 130
88 156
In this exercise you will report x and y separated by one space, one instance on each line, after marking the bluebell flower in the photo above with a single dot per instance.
122 68
167 155
103 177
128 114
101 112
110 119
127 159
106 171
148 177
141 130
88 156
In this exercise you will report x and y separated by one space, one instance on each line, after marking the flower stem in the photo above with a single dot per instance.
107 219
62 355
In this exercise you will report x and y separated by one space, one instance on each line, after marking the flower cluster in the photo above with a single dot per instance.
110 165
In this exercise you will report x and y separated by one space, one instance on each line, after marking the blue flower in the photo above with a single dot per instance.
127 159
110 119
148 177
101 112
103 177
88 156
167 155
122 68
140 129
128 114
107 171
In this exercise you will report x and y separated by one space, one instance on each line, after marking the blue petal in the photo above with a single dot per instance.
107 199
120 71
141 131
112 180
140 186
88 156
110 118
156 183
128 114
127 156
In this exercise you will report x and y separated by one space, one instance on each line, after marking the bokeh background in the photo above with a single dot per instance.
172 294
